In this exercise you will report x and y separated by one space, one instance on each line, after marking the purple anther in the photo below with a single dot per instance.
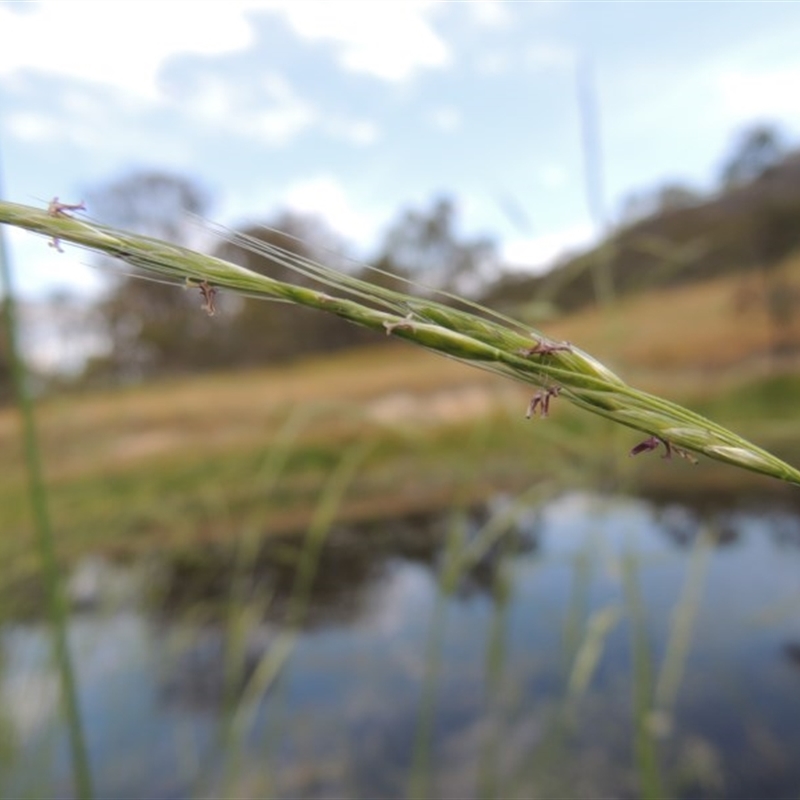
541 401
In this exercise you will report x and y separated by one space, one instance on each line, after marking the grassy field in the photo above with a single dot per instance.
200 457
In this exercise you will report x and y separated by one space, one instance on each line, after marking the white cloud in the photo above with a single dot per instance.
446 118
269 111
552 176
211 99
98 123
361 132
747 94
30 126
493 63
549 55
490 13
326 197
272 113
278 125
390 41
539 57
122 43
540 252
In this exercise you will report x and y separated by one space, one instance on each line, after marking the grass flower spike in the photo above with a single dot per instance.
478 337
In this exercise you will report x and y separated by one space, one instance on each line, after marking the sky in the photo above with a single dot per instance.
357 110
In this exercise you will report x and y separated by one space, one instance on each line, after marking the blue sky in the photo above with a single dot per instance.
356 110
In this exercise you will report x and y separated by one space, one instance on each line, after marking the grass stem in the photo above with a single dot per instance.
56 602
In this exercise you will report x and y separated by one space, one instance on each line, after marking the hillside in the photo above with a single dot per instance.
745 229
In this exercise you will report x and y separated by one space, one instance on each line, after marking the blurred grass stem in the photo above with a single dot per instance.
56 602
651 783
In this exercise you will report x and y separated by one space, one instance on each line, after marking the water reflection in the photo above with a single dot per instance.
351 563
448 656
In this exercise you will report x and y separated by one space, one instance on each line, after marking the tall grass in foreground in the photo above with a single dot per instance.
240 711
487 340
56 603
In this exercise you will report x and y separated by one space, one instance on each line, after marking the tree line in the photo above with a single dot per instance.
152 330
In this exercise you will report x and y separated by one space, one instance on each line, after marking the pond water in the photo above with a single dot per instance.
587 647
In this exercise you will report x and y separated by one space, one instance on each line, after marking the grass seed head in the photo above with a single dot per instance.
483 339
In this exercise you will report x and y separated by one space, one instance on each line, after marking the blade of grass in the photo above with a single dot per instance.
56 603
419 784
589 653
651 783
683 617
271 666
496 654
583 563
422 754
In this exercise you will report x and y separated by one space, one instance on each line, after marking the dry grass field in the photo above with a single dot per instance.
200 456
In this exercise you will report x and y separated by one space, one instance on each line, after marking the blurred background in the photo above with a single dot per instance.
300 559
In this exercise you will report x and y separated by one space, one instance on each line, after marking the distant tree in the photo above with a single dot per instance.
154 203
774 225
425 246
152 329
262 332
758 148
775 233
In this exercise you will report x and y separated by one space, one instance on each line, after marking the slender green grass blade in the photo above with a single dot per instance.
652 786
56 603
